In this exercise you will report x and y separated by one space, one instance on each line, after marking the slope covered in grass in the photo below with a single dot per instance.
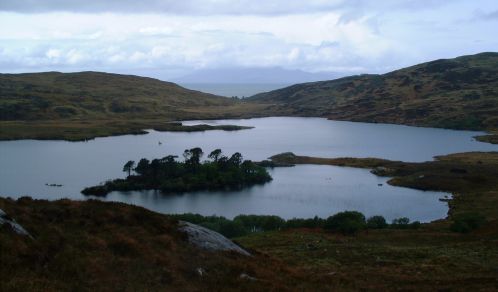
84 105
54 95
98 246
459 93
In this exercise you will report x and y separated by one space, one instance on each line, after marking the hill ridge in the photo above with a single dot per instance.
458 93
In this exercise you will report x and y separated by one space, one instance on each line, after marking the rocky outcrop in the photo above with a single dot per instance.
209 239
16 227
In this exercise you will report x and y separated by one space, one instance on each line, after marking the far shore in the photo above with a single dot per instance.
88 129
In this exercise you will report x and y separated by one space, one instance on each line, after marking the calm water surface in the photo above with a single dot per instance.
240 90
301 191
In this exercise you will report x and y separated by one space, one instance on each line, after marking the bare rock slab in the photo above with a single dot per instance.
208 239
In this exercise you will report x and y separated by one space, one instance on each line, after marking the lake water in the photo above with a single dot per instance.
240 90
301 191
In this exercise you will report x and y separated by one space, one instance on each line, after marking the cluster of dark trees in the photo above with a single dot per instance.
169 175
466 222
347 222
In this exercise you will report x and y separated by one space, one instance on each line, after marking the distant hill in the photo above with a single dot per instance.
54 95
460 93
272 75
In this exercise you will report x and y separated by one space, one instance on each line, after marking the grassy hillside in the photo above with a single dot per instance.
54 95
98 246
84 105
460 93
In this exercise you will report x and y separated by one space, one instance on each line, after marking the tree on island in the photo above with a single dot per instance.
142 166
128 167
215 155
235 159
193 157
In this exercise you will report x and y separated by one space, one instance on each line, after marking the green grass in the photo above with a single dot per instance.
491 138
387 260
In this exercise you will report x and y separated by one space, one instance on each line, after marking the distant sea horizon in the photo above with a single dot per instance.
240 90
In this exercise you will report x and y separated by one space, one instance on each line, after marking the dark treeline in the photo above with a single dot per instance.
347 222
169 175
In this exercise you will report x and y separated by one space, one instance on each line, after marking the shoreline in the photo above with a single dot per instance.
466 176
84 130
79 131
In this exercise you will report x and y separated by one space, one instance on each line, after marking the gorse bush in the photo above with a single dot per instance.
314 222
376 222
404 223
347 222
260 222
401 221
467 222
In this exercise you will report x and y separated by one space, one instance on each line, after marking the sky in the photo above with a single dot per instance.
167 39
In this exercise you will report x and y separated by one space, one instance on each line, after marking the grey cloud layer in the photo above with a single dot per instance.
210 7
168 6
174 37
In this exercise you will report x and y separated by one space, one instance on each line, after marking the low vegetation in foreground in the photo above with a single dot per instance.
102 246
171 176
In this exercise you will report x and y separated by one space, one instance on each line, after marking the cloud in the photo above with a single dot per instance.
189 7
493 15
212 7
171 38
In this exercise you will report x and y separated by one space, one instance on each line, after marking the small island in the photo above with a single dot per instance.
179 127
171 176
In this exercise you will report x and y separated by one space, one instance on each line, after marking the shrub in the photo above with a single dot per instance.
347 222
376 222
401 221
415 225
314 222
260 222
231 228
467 222
404 223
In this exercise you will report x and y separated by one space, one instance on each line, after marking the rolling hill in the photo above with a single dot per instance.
54 95
84 105
460 93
